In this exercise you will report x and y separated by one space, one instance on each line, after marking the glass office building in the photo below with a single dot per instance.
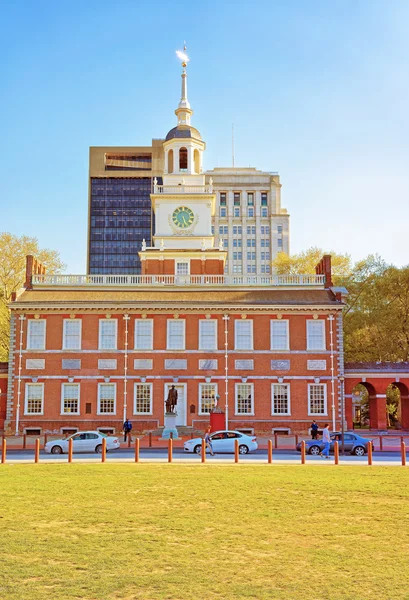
120 218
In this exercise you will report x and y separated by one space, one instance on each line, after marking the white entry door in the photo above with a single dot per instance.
181 405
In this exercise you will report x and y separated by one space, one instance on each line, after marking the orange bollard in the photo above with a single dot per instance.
104 450
270 452
70 450
303 452
136 449
129 440
296 440
45 439
370 453
170 450
203 451
403 453
275 441
3 450
24 441
380 443
336 452
150 439
236 451
37 451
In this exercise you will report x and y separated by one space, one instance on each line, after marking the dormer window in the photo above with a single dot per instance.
183 159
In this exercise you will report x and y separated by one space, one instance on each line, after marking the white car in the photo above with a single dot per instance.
83 441
224 442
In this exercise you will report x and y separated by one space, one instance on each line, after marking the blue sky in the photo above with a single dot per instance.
317 90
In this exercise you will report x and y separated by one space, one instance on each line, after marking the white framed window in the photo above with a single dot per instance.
106 399
72 334
70 398
250 212
143 334
142 399
36 334
176 334
34 400
182 267
108 329
280 399
317 399
236 211
243 334
316 334
264 212
244 399
223 211
280 337
207 397
208 334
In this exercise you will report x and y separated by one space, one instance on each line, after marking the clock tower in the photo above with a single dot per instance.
184 205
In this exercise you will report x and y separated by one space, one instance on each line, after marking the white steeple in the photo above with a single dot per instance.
183 111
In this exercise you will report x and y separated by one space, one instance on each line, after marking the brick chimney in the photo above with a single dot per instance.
33 267
324 268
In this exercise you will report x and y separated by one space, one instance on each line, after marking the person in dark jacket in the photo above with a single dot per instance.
127 429
314 430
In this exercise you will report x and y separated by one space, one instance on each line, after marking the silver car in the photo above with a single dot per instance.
82 441
224 442
353 443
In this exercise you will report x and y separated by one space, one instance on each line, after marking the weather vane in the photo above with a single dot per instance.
183 56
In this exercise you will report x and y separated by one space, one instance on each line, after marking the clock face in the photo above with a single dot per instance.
183 217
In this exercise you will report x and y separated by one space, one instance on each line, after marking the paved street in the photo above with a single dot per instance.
160 455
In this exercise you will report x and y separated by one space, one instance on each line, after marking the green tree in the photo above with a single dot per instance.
305 262
13 252
376 319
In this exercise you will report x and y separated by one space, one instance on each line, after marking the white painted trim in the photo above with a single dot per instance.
201 384
168 385
41 385
272 323
325 413
250 321
135 412
100 334
136 321
63 384
315 321
215 323
64 334
29 323
99 399
237 414
288 413
168 336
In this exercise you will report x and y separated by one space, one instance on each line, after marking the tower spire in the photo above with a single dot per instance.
183 111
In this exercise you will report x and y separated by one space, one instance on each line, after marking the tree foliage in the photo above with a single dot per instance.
306 261
376 319
13 252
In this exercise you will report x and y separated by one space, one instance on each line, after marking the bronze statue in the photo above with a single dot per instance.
171 400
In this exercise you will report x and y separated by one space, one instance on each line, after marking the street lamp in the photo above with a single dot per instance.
341 380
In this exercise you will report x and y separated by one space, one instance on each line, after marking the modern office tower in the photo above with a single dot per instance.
119 206
249 219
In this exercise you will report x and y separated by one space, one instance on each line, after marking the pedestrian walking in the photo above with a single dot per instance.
127 427
314 430
208 440
326 438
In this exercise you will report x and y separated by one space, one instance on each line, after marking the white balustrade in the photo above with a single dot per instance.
178 280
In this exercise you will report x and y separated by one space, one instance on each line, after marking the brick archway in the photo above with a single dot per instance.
404 401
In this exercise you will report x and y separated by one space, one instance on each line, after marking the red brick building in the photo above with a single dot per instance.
3 392
95 349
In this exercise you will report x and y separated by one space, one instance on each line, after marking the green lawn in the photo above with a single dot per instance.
149 531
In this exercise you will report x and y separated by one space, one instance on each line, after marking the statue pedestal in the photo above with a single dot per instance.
170 426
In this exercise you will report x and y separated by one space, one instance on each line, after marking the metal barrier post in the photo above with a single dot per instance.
45 439
24 441
104 450
150 439
296 440
129 440
170 450
403 453
275 441
236 451
3 450
303 452
369 453
70 450
380 443
137 449
37 451
336 452
203 451
270 452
